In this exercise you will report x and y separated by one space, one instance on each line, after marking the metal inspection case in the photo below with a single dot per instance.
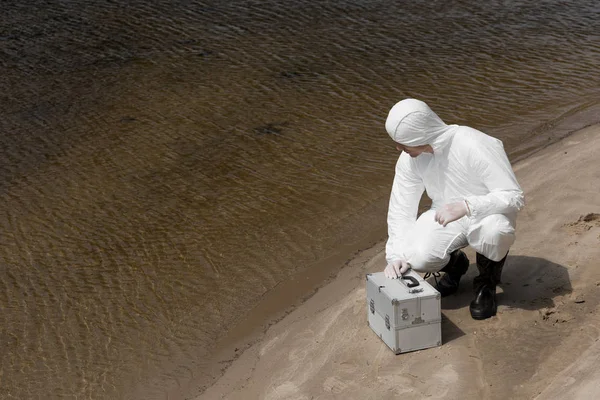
405 313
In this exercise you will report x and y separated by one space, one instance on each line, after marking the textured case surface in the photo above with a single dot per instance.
405 318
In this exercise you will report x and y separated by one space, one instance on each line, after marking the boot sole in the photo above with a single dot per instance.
479 317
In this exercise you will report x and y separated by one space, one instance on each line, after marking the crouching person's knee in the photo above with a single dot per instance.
493 237
423 260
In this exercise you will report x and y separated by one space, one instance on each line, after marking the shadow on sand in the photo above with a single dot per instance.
528 283
450 330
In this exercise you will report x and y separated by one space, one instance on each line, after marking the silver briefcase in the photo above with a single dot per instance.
405 313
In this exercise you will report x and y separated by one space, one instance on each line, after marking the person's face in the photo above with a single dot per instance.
414 151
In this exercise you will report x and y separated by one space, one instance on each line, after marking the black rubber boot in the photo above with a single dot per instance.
454 270
484 305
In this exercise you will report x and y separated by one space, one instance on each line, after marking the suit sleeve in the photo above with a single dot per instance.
491 164
404 203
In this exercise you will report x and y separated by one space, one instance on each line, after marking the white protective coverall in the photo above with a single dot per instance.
466 164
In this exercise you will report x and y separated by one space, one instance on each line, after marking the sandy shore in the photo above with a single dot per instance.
542 344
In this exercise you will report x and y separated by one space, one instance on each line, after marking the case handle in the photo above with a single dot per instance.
413 281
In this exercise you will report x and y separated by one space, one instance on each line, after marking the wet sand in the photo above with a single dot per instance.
543 343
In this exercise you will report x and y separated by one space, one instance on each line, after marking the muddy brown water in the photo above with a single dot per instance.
165 166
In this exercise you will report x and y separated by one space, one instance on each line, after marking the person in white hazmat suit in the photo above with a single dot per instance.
475 199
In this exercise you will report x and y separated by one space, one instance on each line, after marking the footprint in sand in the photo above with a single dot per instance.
583 224
335 385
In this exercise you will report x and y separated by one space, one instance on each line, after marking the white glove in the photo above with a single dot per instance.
451 212
396 269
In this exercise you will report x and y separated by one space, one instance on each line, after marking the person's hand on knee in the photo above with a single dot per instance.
451 212
396 269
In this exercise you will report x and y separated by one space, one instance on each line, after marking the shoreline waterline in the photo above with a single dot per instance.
278 303
344 284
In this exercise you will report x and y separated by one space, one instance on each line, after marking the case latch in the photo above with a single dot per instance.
404 314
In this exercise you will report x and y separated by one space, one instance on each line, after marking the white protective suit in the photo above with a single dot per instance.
466 164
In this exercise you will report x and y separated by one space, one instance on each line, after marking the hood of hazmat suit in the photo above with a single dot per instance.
466 164
412 123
